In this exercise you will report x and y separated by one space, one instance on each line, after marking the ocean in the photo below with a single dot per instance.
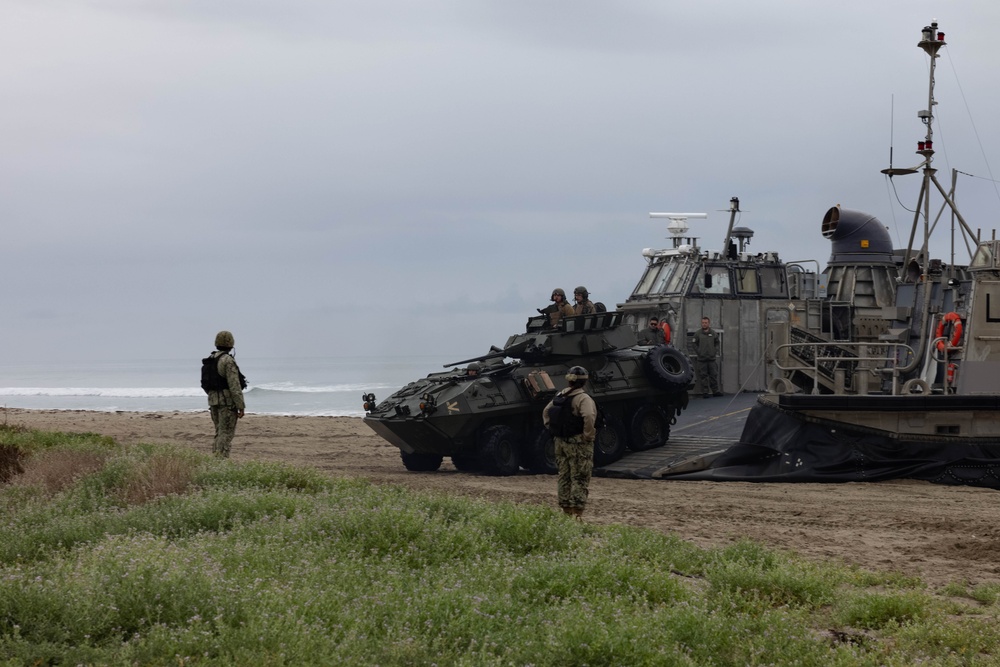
324 386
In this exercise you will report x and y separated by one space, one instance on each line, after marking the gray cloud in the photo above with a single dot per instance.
418 176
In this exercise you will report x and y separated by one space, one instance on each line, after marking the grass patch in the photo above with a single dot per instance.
152 555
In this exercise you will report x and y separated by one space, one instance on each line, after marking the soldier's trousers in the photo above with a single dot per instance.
708 375
224 418
576 462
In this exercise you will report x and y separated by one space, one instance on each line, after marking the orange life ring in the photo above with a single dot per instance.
956 331
666 331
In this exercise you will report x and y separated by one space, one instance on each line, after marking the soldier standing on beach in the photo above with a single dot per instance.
224 386
574 432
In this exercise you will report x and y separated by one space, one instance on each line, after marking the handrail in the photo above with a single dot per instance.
890 366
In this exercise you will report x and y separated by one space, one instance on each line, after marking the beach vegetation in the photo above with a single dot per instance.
156 555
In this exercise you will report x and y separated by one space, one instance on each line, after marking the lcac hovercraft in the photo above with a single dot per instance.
896 372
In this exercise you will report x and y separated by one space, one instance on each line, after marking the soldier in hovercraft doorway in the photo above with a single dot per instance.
706 349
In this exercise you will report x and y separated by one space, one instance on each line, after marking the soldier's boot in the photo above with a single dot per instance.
578 513
567 510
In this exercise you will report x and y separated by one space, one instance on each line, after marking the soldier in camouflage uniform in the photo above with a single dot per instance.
226 406
584 306
560 307
575 453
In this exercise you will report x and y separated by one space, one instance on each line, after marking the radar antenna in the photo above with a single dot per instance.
678 225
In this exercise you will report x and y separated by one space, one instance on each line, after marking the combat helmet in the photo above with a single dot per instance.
582 290
224 339
577 374
560 291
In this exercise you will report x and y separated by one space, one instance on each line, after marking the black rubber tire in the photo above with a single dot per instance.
649 428
465 462
611 441
668 368
540 453
499 451
421 462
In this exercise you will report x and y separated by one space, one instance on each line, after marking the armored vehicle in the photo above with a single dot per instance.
487 415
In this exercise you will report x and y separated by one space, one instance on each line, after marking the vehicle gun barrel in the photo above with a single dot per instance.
496 353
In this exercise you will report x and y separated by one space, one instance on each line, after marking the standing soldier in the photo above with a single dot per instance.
222 380
560 307
583 305
706 349
572 426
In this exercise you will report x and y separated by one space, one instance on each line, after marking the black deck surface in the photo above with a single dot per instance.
707 425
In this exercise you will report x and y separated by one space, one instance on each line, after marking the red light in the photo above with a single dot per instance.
920 145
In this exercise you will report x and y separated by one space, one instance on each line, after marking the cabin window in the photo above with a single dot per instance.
772 282
714 280
647 280
671 280
747 281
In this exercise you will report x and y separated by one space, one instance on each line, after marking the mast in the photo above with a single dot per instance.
931 41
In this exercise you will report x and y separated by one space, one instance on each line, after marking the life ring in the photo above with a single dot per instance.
915 387
666 331
955 321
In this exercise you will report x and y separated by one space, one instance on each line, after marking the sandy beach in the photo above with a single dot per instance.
941 533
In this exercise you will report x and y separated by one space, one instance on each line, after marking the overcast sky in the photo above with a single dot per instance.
397 176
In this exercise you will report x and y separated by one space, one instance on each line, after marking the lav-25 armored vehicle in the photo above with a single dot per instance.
487 416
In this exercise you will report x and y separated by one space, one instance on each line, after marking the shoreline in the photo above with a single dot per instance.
941 533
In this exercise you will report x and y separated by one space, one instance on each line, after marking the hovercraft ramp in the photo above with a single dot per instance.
703 431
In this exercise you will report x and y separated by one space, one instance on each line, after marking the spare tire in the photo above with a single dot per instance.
668 368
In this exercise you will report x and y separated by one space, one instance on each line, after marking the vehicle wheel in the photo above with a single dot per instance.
421 462
540 453
668 368
609 446
498 451
649 428
465 462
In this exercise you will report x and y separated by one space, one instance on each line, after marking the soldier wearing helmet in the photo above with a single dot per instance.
225 399
560 308
584 306
574 437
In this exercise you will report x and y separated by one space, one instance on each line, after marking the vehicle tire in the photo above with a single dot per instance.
465 462
610 443
649 428
540 453
421 462
668 368
498 451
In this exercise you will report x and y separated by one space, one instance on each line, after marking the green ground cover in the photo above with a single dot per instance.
152 555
